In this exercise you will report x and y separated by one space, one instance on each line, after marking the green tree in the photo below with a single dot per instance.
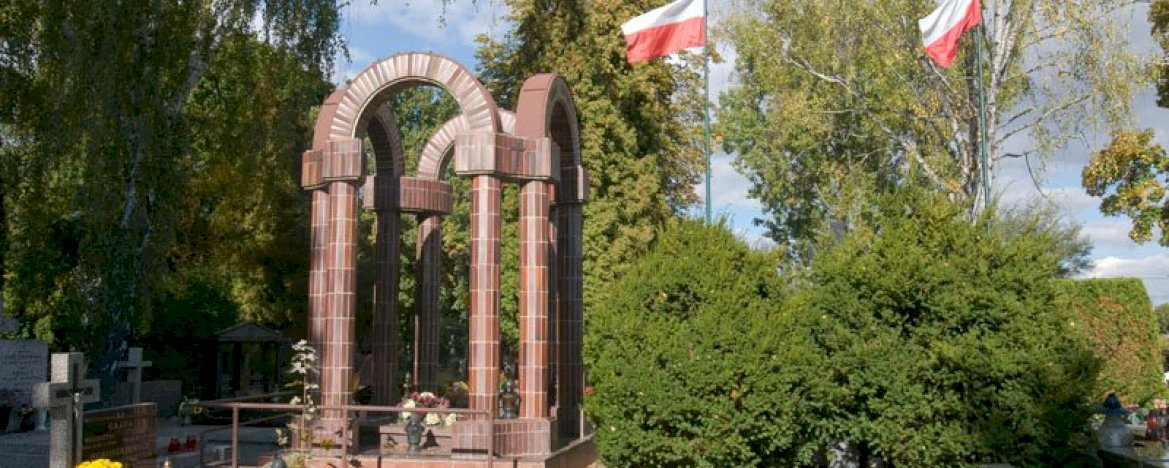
687 364
936 333
638 132
837 99
1132 172
97 130
1132 175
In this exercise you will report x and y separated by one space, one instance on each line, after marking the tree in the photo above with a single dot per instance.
825 111
935 333
1132 172
638 132
687 364
97 125
1132 175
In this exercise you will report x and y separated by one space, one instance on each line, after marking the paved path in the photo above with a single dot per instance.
31 449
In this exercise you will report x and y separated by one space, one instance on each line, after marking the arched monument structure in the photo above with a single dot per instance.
537 148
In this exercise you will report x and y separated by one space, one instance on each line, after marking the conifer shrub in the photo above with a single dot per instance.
686 363
1118 318
942 339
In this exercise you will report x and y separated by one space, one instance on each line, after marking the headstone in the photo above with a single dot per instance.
126 434
134 365
23 363
65 395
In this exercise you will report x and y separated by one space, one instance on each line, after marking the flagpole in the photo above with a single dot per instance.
706 100
982 118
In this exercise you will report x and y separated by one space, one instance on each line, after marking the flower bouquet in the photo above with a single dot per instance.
188 408
427 400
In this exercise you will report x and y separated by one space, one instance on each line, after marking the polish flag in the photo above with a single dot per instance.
681 24
942 28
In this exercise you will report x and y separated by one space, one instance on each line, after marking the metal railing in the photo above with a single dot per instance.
240 403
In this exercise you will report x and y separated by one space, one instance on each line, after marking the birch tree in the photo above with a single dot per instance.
1131 174
94 109
835 99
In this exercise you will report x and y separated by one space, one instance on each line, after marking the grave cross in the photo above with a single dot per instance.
65 394
134 365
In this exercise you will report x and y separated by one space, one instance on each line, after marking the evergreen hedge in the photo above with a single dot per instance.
920 338
942 338
686 361
1117 316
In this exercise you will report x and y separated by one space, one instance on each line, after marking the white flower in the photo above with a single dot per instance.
450 419
405 415
432 419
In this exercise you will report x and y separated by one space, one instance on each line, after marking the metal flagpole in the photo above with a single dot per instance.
706 100
982 118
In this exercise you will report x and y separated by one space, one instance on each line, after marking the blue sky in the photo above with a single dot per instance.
393 26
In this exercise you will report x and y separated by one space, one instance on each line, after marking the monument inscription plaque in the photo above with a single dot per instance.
23 363
126 433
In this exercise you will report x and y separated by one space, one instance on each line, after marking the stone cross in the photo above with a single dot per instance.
134 365
65 395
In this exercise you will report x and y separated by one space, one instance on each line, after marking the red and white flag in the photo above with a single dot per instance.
681 24
941 30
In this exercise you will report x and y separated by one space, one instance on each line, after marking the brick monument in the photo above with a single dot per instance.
537 148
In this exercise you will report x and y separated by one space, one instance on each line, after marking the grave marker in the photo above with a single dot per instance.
65 395
126 434
23 363
134 365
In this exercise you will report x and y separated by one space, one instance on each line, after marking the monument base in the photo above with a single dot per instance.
578 454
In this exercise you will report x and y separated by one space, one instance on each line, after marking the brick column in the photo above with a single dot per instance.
553 302
428 271
533 312
483 375
385 308
343 160
318 276
570 381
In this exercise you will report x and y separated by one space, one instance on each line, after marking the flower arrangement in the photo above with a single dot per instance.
190 407
100 463
427 400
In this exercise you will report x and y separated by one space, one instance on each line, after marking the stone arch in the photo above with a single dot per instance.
436 155
386 139
547 110
374 85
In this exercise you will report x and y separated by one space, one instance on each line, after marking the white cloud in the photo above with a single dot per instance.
728 188
1153 270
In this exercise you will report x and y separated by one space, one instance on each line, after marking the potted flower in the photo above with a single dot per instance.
419 429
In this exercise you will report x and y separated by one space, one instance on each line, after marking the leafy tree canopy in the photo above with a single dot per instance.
1132 172
115 117
837 99
639 134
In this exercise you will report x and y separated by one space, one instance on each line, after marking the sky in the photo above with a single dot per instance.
375 31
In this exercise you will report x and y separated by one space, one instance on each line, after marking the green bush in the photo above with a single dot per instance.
686 362
1117 316
941 340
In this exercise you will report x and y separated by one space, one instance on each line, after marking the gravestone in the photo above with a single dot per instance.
65 395
23 363
134 365
126 434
